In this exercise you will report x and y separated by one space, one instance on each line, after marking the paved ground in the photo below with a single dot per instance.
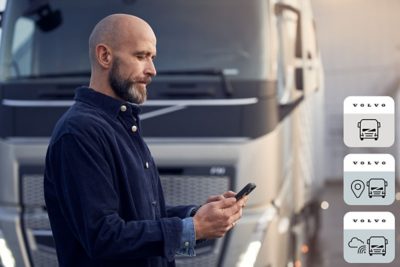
329 249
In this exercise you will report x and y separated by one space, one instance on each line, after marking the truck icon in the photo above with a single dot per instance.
377 187
377 245
369 129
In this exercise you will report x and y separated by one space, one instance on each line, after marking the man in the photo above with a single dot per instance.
102 189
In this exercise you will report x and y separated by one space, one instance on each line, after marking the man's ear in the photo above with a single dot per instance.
103 55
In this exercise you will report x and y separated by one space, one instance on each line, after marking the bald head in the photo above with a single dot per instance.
117 30
122 49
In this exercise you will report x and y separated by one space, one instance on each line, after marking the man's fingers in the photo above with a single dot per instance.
214 198
218 217
242 202
226 203
232 210
229 194
237 215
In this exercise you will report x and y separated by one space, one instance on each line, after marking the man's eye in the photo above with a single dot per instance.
140 56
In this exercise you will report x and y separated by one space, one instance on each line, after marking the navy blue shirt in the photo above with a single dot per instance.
102 189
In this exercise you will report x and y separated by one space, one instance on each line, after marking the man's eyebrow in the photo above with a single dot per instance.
143 52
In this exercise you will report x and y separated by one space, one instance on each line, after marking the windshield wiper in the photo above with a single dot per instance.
228 89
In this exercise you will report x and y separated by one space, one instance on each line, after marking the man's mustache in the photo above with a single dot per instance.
143 80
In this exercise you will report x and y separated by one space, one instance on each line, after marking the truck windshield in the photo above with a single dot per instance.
49 38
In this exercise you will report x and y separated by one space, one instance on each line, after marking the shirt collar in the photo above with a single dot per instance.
104 102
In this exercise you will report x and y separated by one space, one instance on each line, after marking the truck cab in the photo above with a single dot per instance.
237 99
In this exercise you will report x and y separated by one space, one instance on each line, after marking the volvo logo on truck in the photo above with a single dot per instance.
369 129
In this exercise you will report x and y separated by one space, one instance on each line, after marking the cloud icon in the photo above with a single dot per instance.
355 242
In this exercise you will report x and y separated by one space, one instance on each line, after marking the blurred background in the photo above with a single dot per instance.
246 91
361 56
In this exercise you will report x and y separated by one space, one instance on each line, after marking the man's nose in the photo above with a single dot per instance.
150 69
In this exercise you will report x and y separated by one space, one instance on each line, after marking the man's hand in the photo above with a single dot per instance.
220 197
218 215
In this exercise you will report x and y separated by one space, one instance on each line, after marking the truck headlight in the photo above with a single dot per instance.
6 257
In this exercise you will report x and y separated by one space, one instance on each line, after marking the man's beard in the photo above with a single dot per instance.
125 88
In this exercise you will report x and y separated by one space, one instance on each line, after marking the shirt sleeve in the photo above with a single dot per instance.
180 211
188 239
84 187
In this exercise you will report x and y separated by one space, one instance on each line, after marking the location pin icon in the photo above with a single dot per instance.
357 186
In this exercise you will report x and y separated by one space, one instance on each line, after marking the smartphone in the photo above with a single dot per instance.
245 190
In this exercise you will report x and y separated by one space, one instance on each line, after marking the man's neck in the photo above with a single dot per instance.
103 87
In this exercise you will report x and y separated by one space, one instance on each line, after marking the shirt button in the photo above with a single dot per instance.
186 244
147 165
134 128
123 108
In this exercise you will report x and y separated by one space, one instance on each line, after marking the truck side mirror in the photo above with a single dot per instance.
359 124
46 18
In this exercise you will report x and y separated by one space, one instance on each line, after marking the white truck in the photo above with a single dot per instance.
237 99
